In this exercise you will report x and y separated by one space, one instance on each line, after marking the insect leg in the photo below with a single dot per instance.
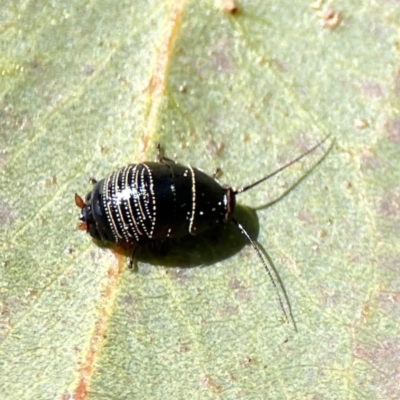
161 157
217 173
133 265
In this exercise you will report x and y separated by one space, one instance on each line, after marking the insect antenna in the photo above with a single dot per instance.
245 188
255 245
264 263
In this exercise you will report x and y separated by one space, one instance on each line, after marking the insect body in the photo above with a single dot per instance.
154 200
158 200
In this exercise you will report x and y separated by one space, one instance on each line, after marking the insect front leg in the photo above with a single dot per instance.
161 157
217 173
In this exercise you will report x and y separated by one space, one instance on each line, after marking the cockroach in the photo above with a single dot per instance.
153 201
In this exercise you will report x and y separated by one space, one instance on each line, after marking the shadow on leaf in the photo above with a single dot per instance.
205 249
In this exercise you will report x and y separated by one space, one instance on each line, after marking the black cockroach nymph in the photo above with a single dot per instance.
158 200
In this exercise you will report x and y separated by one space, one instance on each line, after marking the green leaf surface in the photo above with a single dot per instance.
87 87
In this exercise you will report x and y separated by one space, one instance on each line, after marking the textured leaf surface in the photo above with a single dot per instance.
87 87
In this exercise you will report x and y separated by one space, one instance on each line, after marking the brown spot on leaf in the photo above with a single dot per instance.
214 149
330 19
208 383
221 58
390 205
229 311
366 311
185 346
372 89
236 284
393 130
384 357
306 216
322 233
183 87
389 302
369 160
240 289
247 362
88 69
66 396
229 6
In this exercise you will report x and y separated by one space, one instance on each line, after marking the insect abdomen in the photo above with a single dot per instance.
151 201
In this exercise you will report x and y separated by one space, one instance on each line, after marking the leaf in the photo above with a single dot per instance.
90 87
